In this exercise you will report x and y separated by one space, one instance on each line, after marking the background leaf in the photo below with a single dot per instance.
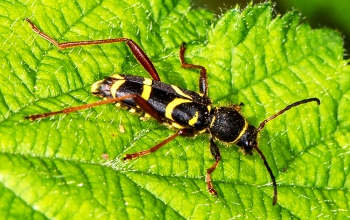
69 166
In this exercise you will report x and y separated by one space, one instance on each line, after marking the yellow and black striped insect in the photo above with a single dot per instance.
188 111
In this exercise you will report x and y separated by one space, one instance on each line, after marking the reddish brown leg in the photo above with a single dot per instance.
144 105
216 154
203 79
139 54
183 132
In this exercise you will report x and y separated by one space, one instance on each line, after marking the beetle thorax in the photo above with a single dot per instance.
227 124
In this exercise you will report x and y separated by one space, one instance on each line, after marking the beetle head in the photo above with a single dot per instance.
248 141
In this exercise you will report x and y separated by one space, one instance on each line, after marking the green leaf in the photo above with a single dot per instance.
70 166
324 13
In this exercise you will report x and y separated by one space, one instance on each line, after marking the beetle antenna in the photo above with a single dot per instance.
271 174
262 124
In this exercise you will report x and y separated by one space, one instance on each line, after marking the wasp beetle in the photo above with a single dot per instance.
188 111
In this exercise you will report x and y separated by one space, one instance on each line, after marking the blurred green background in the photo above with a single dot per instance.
318 13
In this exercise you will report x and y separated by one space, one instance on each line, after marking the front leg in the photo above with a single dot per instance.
216 154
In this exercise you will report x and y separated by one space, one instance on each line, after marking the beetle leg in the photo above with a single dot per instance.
216 154
182 132
203 79
139 54
144 105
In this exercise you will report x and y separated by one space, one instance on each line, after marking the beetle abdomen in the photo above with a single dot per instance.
182 107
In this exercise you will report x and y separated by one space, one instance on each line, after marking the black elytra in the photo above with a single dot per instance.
188 111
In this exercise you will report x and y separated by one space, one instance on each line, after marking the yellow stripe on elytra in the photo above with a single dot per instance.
170 107
116 86
147 81
177 126
242 131
95 88
193 120
146 88
178 91
117 76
